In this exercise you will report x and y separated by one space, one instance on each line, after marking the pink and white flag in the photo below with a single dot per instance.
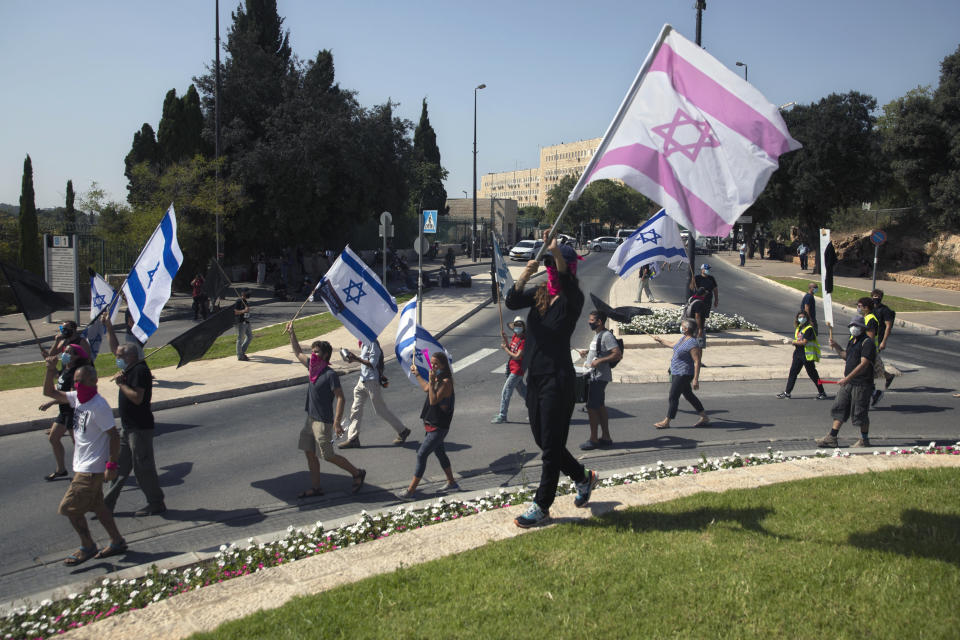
693 136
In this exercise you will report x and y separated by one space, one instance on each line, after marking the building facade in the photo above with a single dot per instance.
497 213
530 186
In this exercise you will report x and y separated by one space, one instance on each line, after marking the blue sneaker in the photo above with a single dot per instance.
534 516
498 419
584 489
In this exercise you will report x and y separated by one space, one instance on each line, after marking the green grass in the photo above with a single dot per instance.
869 556
24 376
849 297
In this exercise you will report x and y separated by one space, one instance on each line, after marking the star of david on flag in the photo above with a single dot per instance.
413 343
148 286
356 297
102 297
657 241
693 136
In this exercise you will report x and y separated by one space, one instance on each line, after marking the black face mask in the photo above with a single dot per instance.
593 325
876 302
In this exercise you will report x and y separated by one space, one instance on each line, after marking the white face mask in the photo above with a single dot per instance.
855 331
801 320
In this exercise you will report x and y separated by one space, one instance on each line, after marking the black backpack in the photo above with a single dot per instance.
613 363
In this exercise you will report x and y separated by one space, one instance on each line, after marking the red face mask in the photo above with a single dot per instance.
316 367
85 393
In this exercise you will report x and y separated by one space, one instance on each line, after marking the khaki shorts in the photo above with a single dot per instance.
317 437
84 495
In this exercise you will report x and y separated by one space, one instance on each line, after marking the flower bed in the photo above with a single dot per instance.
110 597
668 321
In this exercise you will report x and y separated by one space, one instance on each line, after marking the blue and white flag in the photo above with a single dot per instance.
413 342
102 297
148 286
657 240
504 279
356 297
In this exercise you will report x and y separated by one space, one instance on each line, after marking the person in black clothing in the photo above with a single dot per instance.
437 415
135 384
555 308
806 354
708 283
697 310
72 357
809 305
856 385
885 317
241 310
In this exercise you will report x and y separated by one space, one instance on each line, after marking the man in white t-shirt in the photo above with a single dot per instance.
604 350
95 453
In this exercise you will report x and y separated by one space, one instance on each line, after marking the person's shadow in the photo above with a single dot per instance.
643 520
920 533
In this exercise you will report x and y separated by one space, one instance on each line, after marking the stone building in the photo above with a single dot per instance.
500 213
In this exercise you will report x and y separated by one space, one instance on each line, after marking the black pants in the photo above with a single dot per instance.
550 402
803 261
680 385
800 362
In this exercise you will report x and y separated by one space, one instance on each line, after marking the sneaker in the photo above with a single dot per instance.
862 443
822 396
889 380
783 394
352 443
150 510
827 441
451 486
532 517
497 419
401 437
589 445
584 489
406 494
877 394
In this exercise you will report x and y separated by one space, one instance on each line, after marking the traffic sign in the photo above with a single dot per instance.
430 221
878 237
386 218
421 246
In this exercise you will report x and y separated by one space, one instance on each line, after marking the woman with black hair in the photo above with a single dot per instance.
72 357
555 307
806 354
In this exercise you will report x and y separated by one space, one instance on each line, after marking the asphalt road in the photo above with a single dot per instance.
230 469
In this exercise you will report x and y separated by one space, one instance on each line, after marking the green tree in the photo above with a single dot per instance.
945 185
30 256
70 212
143 150
426 189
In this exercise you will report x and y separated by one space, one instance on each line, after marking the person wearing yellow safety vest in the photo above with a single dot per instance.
806 354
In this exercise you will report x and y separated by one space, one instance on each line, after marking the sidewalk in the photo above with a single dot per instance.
931 322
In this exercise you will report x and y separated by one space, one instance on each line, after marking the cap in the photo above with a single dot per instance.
858 322
516 320
705 266
569 254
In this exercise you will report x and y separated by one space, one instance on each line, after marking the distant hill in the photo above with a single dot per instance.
10 209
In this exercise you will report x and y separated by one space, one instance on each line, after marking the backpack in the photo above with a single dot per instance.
613 363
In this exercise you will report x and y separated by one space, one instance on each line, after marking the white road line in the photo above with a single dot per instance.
463 363
899 364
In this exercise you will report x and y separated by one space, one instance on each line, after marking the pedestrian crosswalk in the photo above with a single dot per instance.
460 364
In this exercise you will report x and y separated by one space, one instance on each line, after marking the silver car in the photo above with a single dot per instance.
525 249
603 243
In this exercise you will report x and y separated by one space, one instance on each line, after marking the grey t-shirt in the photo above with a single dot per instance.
607 344
319 404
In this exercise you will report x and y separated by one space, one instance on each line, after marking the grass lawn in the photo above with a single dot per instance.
849 297
874 555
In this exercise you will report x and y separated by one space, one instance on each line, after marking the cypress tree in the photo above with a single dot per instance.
30 256
428 173
70 214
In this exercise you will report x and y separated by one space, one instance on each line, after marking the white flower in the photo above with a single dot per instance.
148 583
223 547
158 596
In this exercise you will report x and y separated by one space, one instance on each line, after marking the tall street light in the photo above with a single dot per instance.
473 240
744 65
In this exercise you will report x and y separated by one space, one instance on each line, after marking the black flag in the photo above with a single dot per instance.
33 294
620 314
197 340
829 262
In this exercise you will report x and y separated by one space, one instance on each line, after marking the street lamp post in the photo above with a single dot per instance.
473 240
744 65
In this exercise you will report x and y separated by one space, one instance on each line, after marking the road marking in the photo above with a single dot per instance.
935 350
899 364
477 356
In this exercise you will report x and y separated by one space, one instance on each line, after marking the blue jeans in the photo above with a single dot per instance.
244 336
432 443
513 381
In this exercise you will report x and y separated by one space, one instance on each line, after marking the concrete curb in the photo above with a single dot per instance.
205 609
903 324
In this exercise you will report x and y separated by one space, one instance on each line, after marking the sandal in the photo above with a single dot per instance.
702 422
55 475
113 549
80 556
358 480
315 492
661 425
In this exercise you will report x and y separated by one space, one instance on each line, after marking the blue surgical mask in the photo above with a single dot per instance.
801 319
121 364
65 359
518 330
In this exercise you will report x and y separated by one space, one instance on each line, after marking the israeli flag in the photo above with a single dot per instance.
658 241
356 297
102 297
504 279
147 288
414 343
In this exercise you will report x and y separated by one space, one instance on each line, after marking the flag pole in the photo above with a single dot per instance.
605 142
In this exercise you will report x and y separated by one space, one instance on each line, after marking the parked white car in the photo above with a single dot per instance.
603 243
525 249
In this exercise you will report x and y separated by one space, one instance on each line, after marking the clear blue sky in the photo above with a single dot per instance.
79 78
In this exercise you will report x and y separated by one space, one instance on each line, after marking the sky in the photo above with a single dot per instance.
79 79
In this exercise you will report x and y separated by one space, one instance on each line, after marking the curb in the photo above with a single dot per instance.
903 324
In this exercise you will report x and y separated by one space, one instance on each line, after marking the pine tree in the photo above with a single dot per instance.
428 174
30 257
70 213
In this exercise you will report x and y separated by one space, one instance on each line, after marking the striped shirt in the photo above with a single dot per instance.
682 362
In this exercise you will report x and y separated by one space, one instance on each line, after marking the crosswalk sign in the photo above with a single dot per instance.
430 221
